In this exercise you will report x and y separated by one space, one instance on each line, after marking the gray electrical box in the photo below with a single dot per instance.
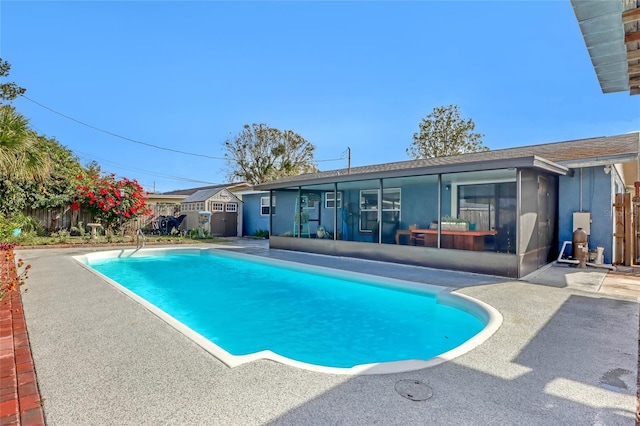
582 220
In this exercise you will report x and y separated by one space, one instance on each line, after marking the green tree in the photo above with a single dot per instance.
59 188
443 133
21 156
56 190
261 154
8 91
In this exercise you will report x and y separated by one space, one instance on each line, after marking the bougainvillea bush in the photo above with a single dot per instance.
112 202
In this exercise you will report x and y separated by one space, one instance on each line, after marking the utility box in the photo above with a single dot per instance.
582 220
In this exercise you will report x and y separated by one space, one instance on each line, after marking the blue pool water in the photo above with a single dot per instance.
246 307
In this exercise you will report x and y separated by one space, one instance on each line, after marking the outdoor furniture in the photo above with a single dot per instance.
163 225
459 240
388 232
407 232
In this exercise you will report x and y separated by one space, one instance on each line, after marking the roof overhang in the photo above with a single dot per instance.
628 165
611 32
532 161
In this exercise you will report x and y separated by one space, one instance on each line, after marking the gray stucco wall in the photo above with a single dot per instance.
595 198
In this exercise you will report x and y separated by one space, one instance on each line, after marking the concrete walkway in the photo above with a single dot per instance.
563 355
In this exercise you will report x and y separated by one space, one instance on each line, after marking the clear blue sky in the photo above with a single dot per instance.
188 75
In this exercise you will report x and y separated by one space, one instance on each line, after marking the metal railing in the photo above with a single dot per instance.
139 244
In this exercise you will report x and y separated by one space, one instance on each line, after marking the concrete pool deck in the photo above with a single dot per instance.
565 354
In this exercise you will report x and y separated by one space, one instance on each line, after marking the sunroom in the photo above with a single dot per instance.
496 216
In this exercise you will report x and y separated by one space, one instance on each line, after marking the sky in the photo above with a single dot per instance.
106 78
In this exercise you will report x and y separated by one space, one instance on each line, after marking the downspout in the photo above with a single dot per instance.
581 189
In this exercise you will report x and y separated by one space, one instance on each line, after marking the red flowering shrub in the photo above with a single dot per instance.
112 201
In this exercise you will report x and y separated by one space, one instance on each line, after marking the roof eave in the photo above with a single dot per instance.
601 161
506 163
610 31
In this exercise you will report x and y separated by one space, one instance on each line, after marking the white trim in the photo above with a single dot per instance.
336 203
262 205
377 191
484 312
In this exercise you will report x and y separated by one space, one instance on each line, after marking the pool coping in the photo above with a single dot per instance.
445 295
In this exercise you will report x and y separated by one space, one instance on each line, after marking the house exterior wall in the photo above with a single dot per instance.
252 220
419 202
588 190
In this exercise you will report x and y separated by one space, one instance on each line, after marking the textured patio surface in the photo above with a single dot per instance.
565 354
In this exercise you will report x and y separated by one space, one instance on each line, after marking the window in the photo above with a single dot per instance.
488 206
330 201
232 207
491 206
217 207
369 208
264 206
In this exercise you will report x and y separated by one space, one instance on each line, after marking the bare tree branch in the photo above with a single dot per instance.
260 153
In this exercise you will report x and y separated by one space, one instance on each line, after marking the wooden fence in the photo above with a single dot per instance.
53 220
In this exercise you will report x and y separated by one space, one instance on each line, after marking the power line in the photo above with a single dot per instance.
146 143
155 174
120 136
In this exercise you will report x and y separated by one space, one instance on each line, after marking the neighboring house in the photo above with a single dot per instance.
515 206
164 204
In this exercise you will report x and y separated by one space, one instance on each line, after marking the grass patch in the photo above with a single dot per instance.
65 239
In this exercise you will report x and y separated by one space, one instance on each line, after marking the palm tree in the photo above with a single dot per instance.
21 156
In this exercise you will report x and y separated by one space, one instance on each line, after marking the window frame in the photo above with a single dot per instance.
265 205
375 209
337 201
216 206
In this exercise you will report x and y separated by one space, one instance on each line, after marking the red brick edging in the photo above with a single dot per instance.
20 402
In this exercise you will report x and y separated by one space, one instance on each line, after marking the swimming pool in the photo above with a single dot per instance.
241 308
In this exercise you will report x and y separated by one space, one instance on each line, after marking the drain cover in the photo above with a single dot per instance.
414 390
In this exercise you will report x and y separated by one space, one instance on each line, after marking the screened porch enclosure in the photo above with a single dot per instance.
404 211
491 221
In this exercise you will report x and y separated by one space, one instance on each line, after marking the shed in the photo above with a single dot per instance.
224 206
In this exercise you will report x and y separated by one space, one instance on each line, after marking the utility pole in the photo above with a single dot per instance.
348 160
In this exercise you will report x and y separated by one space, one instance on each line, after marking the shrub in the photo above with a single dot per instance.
261 233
